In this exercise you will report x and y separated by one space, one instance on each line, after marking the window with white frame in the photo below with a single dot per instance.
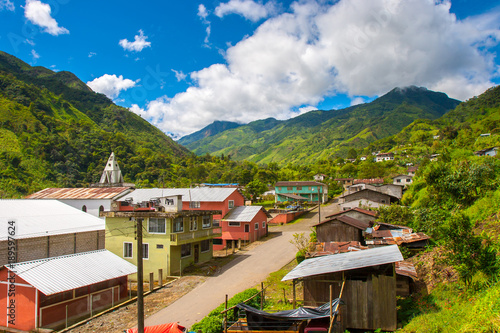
233 224
206 221
194 204
205 245
230 204
257 226
263 224
127 250
178 225
145 251
157 225
185 250
193 223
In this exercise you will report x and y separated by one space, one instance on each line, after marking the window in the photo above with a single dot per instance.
233 224
257 226
216 223
145 251
408 180
101 208
289 188
263 224
159 246
84 208
299 188
247 228
127 250
205 245
178 225
230 204
194 204
193 223
185 250
218 241
206 222
157 226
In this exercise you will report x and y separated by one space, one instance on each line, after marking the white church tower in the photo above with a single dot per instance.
112 174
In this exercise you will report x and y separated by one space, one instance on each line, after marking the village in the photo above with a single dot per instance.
74 251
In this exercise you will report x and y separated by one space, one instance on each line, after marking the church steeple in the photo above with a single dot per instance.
112 173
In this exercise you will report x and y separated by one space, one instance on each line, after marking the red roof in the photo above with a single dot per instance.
368 181
164 328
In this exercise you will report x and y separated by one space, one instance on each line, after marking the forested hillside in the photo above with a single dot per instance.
326 134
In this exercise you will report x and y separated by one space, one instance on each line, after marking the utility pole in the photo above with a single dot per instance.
319 206
140 280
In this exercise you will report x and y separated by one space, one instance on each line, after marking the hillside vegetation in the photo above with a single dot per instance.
324 134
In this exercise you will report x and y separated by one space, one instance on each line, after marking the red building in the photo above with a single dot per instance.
58 291
243 224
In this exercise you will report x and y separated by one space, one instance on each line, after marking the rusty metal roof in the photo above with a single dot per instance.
103 193
406 268
347 220
299 183
398 238
345 261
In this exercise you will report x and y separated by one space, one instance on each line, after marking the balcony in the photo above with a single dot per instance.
194 236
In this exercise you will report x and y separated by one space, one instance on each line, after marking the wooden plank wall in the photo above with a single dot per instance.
336 231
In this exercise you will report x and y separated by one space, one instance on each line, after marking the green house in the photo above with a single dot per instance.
172 240
309 191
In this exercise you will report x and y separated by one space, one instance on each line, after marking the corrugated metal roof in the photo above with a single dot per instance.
347 220
36 218
242 214
58 274
202 194
79 193
357 209
345 261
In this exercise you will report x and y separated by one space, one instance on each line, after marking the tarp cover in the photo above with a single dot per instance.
261 320
164 328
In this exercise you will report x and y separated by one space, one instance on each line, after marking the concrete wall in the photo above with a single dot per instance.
361 203
91 205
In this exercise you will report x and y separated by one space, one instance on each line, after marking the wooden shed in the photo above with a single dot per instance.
341 229
370 286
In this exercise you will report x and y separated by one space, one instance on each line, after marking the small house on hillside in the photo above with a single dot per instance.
370 286
384 157
412 171
244 224
341 229
320 177
367 198
402 180
487 152
345 182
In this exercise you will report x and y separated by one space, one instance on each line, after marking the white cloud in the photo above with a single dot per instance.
357 101
34 55
137 45
111 85
7 5
353 47
203 14
179 75
40 14
249 9
91 54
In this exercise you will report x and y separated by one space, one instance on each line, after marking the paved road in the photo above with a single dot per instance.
247 270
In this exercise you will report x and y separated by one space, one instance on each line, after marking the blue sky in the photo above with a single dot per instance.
183 64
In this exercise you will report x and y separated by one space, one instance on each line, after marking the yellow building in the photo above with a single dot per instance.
173 239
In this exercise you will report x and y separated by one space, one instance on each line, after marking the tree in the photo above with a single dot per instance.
255 189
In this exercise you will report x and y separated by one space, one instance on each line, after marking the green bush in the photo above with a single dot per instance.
213 322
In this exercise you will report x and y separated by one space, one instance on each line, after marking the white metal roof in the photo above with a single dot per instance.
345 261
58 274
202 194
36 218
242 214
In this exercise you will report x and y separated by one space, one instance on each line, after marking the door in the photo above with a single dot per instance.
196 253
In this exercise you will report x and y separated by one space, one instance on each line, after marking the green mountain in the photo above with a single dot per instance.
213 129
55 131
326 134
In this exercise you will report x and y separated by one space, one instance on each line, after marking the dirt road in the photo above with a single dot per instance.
247 270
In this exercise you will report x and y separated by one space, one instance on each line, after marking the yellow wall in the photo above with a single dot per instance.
120 230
